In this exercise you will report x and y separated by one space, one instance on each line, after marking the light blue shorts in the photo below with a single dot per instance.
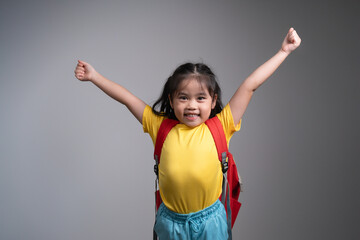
209 223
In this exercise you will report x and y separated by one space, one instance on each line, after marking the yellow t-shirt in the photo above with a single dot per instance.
190 175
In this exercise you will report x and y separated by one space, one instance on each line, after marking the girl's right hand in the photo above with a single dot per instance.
84 71
291 41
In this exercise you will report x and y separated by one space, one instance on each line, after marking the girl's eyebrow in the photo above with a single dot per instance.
186 94
181 93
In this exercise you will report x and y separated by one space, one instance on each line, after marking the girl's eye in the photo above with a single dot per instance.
201 98
182 97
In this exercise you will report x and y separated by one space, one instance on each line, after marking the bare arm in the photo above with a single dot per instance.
85 72
239 102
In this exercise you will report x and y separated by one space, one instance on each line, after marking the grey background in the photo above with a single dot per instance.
75 164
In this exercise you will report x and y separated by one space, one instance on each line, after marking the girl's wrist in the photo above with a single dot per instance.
283 52
95 78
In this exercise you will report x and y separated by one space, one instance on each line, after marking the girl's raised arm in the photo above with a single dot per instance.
239 102
85 72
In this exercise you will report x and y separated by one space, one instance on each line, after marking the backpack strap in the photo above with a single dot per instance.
217 131
218 134
165 127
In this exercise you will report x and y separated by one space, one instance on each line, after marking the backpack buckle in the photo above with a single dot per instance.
156 166
156 169
224 162
225 167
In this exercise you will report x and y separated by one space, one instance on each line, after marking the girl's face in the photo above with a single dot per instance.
192 102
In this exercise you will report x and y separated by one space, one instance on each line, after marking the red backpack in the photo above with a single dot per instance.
231 178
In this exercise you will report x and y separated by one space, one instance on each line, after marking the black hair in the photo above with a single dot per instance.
199 71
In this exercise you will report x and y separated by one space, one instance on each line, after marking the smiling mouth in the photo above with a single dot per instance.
191 116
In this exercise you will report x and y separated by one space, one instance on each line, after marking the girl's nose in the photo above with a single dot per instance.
191 104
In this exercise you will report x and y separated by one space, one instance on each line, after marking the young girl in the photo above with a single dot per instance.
190 175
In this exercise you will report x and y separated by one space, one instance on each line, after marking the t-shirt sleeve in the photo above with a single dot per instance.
151 122
227 122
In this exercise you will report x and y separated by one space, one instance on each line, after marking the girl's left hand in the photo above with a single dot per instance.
291 41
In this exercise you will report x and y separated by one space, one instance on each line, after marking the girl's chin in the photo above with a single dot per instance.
192 122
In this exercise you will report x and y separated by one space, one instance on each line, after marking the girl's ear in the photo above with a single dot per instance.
170 100
214 99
